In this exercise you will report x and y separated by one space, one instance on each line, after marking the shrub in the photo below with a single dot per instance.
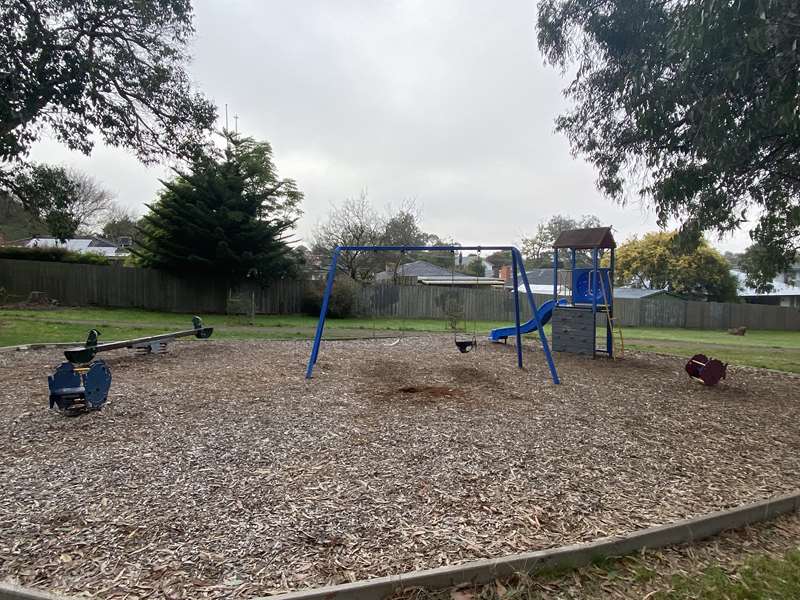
341 304
52 255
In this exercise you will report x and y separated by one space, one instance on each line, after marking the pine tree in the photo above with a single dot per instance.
227 216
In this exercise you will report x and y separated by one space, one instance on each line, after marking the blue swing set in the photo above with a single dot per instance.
517 270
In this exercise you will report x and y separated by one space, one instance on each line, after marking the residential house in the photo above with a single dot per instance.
540 280
785 292
425 273
640 293
89 244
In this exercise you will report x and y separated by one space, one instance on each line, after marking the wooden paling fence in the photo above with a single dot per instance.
125 287
420 301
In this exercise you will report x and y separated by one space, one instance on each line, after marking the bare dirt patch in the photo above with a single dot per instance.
431 391
218 471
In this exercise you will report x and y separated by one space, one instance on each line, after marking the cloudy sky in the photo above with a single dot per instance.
447 103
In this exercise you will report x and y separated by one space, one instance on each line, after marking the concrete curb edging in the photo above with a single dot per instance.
10 591
38 346
487 570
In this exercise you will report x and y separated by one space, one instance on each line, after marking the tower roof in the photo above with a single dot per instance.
582 239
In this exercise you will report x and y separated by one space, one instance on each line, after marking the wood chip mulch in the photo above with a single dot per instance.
217 471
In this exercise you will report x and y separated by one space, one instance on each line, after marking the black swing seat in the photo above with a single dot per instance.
465 346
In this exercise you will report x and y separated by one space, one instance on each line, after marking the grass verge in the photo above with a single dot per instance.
765 349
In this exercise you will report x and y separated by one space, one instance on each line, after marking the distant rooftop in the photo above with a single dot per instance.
95 245
584 239
637 293
418 268
780 285
462 280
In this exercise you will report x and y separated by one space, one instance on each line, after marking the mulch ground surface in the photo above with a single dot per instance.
217 470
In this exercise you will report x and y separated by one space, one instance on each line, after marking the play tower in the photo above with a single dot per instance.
584 294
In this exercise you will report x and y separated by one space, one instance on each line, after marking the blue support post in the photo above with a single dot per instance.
572 265
555 274
516 307
532 302
322 313
594 281
610 307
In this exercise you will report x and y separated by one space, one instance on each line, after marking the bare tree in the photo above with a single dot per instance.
93 202
119 222
353 223
538 249
402 227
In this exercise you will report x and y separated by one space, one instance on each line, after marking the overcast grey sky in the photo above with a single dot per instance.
446 102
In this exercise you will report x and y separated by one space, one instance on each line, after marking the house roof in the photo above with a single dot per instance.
95 245
637 293
545 277
470 280
780 285
541 281
419 268
536 288
582 239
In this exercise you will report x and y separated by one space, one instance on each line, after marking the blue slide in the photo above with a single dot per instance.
544 313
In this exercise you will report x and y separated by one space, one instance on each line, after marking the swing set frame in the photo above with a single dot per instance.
517 271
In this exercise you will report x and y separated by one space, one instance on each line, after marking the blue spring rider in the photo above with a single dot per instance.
75 389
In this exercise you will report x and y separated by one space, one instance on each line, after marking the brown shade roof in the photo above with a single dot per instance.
582 239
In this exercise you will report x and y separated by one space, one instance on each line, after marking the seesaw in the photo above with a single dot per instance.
82 384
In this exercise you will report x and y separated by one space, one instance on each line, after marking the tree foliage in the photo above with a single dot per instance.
116 67
755 261
64 199
538 248
473 267
17 223
691 103
227 216
119 223
50 195
658 261
501 258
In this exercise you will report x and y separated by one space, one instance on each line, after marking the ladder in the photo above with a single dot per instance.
611 319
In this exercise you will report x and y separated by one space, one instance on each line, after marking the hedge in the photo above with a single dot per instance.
52 255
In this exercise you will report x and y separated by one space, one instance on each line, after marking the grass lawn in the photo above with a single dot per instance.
770 349
766 349
183 321
762 577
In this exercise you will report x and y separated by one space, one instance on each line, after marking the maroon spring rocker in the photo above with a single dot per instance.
707 371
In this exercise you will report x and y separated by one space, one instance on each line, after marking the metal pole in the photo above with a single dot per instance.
322 312
573 264
516 308
555 274
610 307
593 287
542 336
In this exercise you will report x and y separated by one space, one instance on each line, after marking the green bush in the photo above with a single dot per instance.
341 304
52 255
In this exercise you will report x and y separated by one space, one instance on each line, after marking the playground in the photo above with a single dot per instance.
242 468
217 469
